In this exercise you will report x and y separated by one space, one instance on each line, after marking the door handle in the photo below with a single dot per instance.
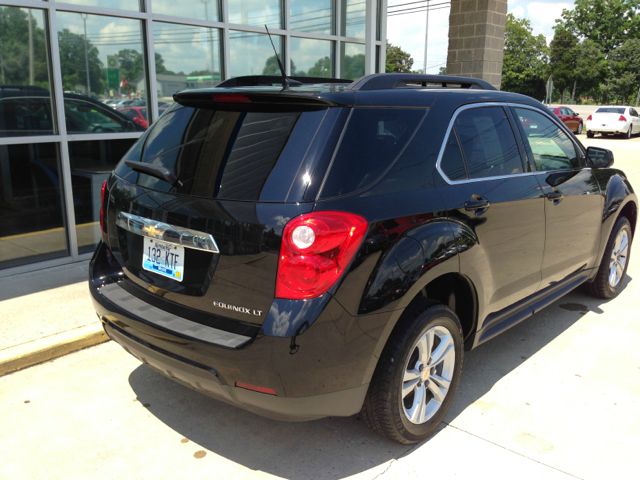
555 197
476 204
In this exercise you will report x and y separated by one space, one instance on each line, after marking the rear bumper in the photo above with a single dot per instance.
614 128
322 372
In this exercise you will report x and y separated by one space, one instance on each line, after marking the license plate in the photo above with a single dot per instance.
163 258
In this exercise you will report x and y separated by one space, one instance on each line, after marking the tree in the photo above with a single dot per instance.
606 22
271 66
525 59
397 60
563 53
624 64
353 66
322 68
591 68
72 62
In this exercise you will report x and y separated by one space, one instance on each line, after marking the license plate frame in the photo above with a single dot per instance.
163 258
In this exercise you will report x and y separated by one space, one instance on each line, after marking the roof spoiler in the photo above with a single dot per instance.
251 101
273 80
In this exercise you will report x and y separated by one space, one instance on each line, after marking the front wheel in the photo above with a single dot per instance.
615 260
590 134
416 376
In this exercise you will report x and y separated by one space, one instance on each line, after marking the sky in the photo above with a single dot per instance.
408 30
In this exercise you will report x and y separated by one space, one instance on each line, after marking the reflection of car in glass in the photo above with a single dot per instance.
324 250
612 120
27 111
137 114
570 118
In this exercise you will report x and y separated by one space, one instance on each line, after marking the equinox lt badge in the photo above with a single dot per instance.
236 308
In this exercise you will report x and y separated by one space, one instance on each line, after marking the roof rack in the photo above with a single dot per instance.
383 81
268 80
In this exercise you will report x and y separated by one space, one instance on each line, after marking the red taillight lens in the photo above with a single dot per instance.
103 227
316 248
622 118
589 118
230 98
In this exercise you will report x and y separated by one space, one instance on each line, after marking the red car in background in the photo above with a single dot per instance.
137 114
570 118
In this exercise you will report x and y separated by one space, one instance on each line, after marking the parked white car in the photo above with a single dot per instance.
612 119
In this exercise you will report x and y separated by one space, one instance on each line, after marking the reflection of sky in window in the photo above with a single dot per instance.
121 4
310 15
249 52
256 12
306 52
108 35
200 9
354 18
186 48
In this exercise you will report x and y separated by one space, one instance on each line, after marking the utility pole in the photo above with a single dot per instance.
426 39
30 21
210 36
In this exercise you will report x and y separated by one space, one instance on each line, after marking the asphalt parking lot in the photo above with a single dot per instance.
557 396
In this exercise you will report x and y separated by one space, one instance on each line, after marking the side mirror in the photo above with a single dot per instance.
599 157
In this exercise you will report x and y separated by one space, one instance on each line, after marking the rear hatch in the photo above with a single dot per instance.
198 205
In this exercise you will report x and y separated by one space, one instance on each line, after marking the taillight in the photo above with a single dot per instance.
622 118
316 248
589 118
103 227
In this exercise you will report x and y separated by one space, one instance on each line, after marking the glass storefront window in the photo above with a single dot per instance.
102 60
352 60
353 18
256 12
186 57
311 16
91 163
202 9
252 54
313 58
25 101
31 219
116 4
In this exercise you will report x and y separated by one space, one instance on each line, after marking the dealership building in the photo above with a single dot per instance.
81 80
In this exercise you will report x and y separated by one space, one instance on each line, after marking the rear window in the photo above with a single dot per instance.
215 154
610 110
373 140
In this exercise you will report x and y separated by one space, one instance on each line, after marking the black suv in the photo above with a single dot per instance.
329 249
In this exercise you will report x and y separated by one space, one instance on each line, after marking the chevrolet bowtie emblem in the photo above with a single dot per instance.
152 231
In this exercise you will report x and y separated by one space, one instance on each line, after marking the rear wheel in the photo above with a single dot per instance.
416 377
590 134
579 130
615 260
629 132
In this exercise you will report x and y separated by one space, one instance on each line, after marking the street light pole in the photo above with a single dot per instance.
426 39
210 35
86 52
31 79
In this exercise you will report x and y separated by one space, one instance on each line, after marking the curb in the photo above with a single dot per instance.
42 350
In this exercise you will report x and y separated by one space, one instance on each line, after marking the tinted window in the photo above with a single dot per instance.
25 116
226 155
86 117
487 141
552 149
373 139
610 110
452 163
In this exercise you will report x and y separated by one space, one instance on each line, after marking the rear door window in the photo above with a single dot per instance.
373 140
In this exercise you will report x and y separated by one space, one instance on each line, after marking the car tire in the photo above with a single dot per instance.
608 281
404 402
579 131
628 134
590 134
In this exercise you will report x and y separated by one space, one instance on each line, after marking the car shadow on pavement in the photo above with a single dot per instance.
333 448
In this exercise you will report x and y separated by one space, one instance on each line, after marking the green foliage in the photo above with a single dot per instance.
353 66
624 64
397 60
591 68
563 55
73 48
525 59
322 68
608 23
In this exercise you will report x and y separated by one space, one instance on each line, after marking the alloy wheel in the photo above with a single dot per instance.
619 257
428 374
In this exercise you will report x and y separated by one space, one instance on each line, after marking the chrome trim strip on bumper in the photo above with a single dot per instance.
167 233
156 316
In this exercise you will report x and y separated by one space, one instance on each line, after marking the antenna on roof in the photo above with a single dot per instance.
285 80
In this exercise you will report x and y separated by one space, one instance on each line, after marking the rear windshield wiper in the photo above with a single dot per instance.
163 173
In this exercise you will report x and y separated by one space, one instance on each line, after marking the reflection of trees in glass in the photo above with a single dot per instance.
353 66
72 50
17 66
271 66
322 68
